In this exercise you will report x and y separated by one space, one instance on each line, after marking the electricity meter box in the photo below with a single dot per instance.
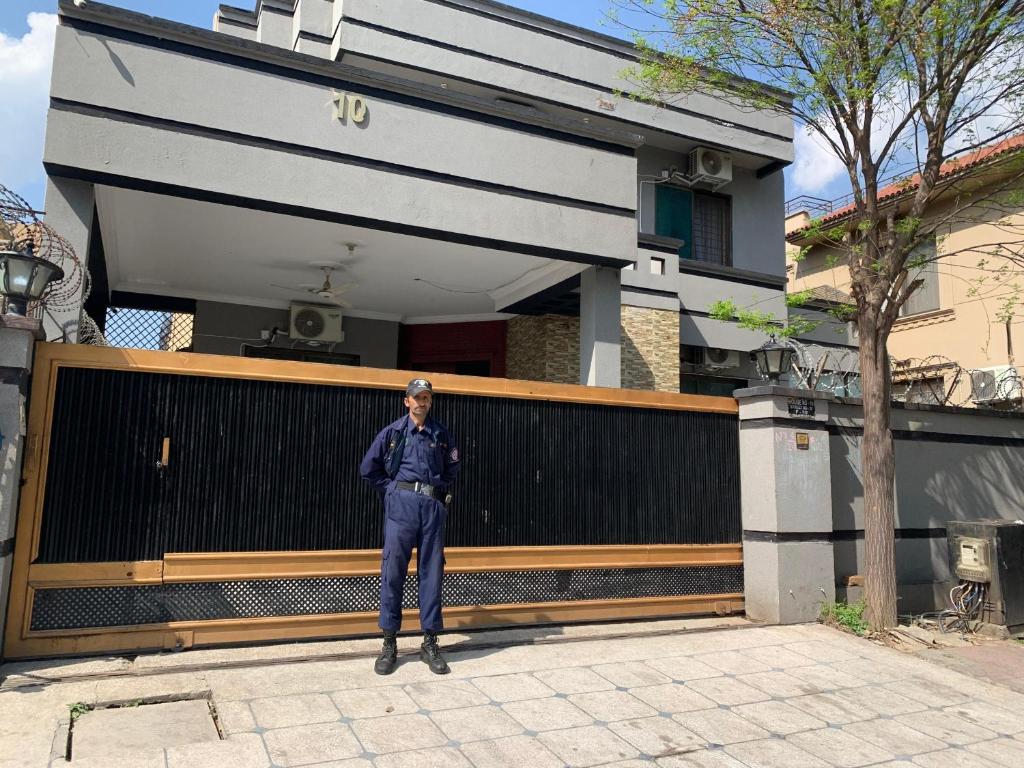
991 552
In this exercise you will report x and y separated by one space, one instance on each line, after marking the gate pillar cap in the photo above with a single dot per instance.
777 390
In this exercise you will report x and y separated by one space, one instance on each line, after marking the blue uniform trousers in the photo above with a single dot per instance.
412 520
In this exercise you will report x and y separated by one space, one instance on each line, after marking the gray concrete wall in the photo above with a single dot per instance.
758 256
758 218
69 212
697 292
758 222
954 469
787 557
600 337
161 84
497 44
501 46
803 508
222 329
16 348
699 331
129 76
829 331
94 145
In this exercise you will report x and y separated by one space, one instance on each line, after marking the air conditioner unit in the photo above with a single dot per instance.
995 385
710 166
716 358
311 322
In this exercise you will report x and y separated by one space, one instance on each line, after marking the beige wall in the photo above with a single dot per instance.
964 328
547 348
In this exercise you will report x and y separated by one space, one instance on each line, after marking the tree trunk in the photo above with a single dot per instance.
879 471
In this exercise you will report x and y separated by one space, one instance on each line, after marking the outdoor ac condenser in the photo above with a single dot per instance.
995 385
311 322
991 552
717 359
710 166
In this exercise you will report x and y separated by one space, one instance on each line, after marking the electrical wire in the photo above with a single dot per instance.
452 289
966 599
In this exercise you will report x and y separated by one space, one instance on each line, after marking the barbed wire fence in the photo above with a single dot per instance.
21 229
934 380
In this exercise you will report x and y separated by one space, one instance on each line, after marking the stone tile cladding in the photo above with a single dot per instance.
544 348
650 349
547 348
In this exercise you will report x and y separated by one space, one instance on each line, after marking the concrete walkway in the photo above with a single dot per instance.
644 694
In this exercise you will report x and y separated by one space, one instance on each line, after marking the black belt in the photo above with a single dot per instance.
417 487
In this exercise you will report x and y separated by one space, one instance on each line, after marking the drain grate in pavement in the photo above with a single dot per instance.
122 729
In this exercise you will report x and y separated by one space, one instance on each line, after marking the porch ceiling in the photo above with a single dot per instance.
178 247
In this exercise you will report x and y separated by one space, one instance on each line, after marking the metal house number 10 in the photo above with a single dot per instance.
348 106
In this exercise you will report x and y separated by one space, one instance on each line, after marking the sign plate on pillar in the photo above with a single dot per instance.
801 406
803 441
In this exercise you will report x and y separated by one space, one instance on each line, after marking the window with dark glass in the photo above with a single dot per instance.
712 229
926 297
931 390
702 221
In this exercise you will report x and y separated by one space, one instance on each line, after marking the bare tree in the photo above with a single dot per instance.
891 87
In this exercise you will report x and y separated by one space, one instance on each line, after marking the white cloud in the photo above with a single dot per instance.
816 167
25 65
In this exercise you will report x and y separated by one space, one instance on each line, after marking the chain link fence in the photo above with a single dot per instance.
148 329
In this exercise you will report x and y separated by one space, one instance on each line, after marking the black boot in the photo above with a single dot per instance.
388 657
431 655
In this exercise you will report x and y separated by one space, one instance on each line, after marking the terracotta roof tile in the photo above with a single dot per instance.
949 168
829 294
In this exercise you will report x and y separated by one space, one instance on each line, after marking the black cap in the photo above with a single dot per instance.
418 385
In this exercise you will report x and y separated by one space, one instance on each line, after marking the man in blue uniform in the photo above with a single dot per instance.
412 464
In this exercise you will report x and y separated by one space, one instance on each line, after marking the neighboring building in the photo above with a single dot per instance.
950 327
511 214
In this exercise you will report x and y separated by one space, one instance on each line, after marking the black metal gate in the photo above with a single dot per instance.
184 498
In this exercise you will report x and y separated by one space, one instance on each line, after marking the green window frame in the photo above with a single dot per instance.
673 217
702 221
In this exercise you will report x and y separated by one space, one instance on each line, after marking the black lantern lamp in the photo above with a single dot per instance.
773 360
24 277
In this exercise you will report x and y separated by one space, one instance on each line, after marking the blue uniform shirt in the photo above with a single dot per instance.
431 456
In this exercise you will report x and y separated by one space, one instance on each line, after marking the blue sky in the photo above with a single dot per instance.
26 34
585 13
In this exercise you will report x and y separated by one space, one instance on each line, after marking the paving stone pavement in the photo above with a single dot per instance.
754 697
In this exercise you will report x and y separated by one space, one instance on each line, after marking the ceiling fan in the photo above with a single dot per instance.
327 291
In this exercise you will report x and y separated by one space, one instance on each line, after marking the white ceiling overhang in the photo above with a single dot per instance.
171 246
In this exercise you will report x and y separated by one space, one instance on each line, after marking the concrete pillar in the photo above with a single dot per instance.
600 310
274 24
311 27
235 22
314 17
786 492
17 339
69 209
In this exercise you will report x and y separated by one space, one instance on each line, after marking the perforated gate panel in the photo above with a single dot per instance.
87 607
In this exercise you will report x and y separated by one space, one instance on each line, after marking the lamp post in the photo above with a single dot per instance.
24 277
773 360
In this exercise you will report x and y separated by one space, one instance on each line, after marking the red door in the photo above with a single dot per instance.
470 349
